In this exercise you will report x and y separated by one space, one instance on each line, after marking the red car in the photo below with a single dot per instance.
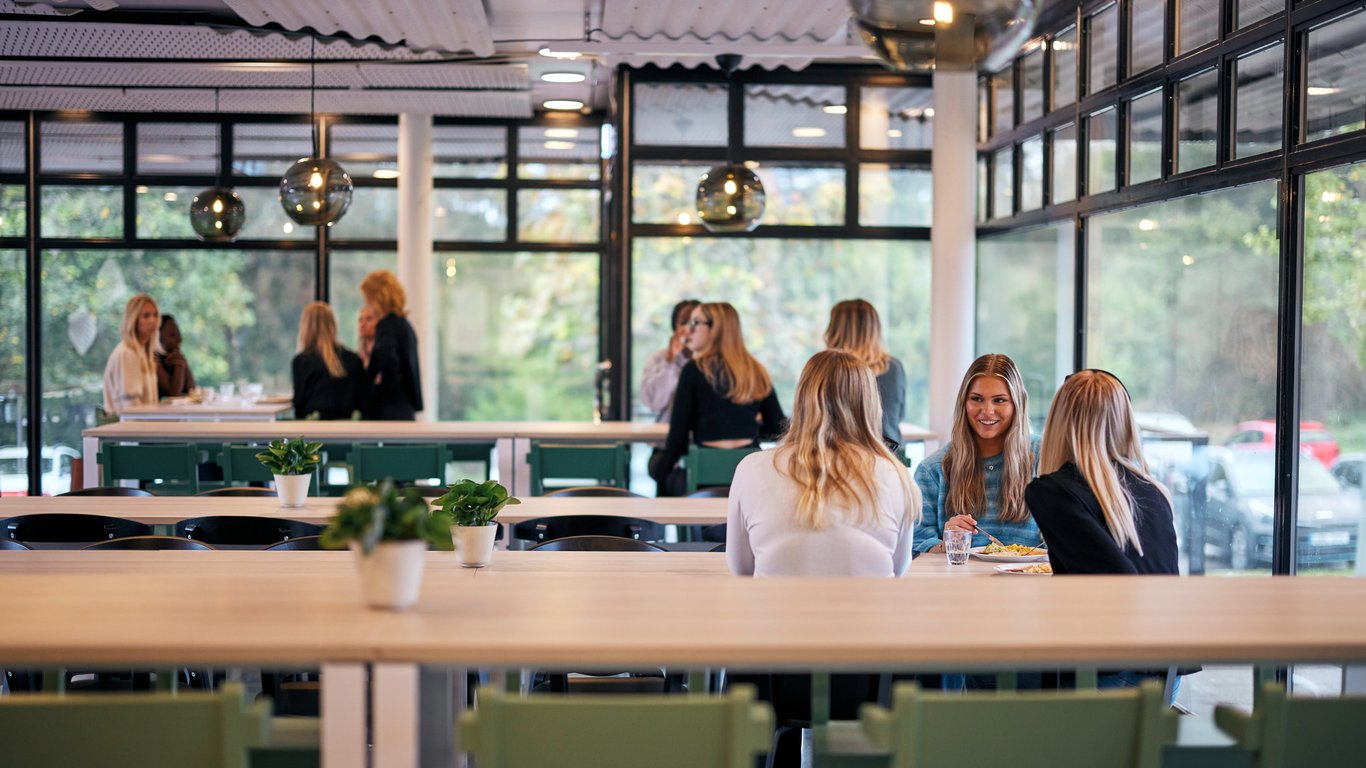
1262 434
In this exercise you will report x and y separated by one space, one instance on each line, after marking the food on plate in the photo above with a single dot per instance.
1012 549
1037 568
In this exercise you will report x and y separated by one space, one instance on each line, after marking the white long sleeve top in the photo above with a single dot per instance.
658 382
130 378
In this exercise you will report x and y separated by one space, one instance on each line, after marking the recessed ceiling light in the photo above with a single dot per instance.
568 55
569 104
564 77
943 12
808 132
170 197
559 145
834 109
561 133
927 22
894 134
929 112
385 173
1321 90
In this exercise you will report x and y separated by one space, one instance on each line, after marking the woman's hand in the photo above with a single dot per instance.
962 523
676 342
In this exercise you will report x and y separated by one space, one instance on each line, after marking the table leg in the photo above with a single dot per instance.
394 715
343 716
90 467
521 470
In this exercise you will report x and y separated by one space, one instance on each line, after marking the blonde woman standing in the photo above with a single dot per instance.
327 376
724 398
856 328
393 382
130 375
831 499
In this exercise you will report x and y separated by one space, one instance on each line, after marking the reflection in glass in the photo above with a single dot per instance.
469 152
1003 186
1258 101
177 148
1064 51
681 114
1031 174
1064 146
1031 85
894 196
268 149
665 193
469 214
1197 23
1147 35
81 147
1003 91
1197 121
83 211
1336 60
1250 11
802 194
1103 49
794 115
373 216
366 151
1100 151
13 148
266 220
1145 137
983 189
163 212
559 215
896 118
558 152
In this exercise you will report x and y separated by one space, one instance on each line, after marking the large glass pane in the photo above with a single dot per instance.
81 147
1064 144
268 149
365 151
665 193
13 370
794 115
1031 174
1147 35
1025 301
524 345
1197 23
373 215
1197 121
802 194
1064 50
177 148
266 218
983 113
164 212
1333 370
1250 11
1334 101
1031 85
1003 185
785 297
13 210
1258 101
896 118
559 215
558 152
1100 151
469 214
469 152
82 212
1003 91
1145 137
346 269
681 114
894 196
13 149
983 189
1204 321
1103 49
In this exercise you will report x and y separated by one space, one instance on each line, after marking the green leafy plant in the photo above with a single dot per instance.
290 457
471 503
371 514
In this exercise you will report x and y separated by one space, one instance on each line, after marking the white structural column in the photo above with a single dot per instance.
415 245
953 239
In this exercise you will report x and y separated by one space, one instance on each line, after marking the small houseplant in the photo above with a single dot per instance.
388 530
472 506
293 463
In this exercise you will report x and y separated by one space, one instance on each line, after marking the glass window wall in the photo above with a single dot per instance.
1258 101
1197 121
1102 49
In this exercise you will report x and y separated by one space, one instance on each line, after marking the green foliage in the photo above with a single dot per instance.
370 514
290 457
472 503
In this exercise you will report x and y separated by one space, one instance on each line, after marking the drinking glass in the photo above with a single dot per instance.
956 543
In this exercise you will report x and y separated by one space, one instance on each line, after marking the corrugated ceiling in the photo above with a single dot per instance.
500 104
443 25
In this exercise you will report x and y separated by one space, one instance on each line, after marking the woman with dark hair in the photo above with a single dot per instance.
660 378
327 376
393 383
174 377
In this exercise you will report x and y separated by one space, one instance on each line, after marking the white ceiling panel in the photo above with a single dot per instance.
501 104
408 75
706 20
444 25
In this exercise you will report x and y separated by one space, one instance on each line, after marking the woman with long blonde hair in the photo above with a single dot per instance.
976 482
130 374
831 499
327 376
724 398
856 328
393 381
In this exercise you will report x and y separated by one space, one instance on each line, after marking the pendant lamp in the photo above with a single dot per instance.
315 190
217 213
730 197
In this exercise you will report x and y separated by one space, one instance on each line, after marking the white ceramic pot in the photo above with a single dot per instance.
292 489
391 575
474 544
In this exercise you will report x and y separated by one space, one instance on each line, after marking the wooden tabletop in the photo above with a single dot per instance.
215 410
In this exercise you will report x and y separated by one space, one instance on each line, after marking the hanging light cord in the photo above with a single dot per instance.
313 89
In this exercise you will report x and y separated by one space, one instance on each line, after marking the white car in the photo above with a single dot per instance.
56 469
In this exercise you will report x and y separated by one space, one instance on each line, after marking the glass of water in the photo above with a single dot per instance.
956 543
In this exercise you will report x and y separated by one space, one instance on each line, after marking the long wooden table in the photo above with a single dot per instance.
213 410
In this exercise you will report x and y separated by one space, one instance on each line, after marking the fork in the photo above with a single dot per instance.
993 539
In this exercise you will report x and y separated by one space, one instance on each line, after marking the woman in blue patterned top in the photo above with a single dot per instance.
977 481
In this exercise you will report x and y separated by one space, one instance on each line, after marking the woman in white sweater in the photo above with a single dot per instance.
130 376
831 499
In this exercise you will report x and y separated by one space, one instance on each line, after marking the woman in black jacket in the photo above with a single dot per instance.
327 376
393 383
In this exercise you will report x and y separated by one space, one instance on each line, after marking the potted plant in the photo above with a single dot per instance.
292 462
388 530
472 507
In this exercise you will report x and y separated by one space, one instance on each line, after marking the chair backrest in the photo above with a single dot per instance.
176 465
401 463
108 490
301 544
617 731
240 464
603 464
715 533
1292 731
13 545
712 466
562 526
65 528
713 492
594 490
149 543
1122 728
240 490
597 544
211 730
472 453
243 530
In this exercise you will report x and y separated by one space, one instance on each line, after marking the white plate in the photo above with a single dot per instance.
1019 570
977 553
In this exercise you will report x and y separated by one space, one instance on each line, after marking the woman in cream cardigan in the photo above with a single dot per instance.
130 376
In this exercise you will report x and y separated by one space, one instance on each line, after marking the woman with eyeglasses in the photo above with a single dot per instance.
660 379
856 328
724 398
977 481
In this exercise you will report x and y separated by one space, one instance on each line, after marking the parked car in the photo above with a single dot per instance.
1261 433
1238 516
56 469
1347 469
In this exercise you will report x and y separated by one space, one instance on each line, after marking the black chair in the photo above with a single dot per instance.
715 533
597 544
240 490
243 530
595 490
301 544
64 528
714 492
108 490
149 543
543 529
12 544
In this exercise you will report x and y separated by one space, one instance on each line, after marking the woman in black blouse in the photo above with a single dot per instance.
724 399
393 382
327 376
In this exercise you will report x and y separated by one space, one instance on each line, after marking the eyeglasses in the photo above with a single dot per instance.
695 323
1107 373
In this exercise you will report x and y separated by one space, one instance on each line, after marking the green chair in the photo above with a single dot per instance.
1296 731
1118 728
335 458
712 466
240 465
207 730
371 463
583 731
174 465
473 453
607 464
